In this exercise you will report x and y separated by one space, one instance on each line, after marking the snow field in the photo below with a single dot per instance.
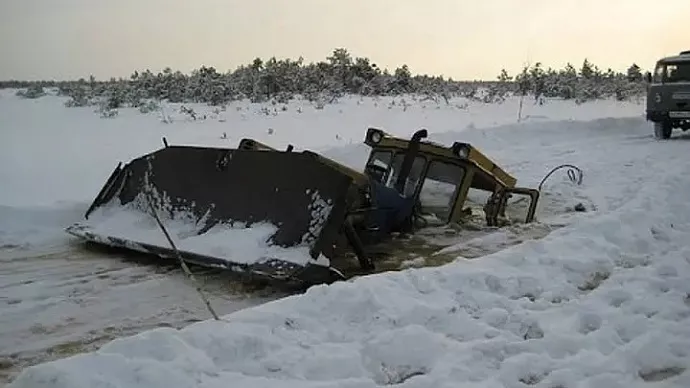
54 159
602 302
52 153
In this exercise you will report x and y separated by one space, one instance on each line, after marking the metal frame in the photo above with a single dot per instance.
496 205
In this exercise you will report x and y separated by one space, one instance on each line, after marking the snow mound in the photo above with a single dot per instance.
604 302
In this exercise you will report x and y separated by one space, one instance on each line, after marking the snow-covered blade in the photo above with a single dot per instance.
216 200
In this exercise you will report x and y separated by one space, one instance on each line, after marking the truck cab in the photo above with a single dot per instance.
668 95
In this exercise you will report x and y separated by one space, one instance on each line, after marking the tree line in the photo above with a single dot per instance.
339 74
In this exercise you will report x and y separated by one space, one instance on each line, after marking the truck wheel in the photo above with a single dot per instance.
662 130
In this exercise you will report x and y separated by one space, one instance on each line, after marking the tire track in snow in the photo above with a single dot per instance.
74 300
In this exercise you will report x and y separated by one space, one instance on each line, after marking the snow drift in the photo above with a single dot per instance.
600 303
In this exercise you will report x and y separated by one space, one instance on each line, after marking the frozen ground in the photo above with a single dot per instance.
602 301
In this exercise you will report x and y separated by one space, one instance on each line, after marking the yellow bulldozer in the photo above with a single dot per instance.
315 205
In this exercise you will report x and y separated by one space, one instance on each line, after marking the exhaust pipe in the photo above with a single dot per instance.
412 150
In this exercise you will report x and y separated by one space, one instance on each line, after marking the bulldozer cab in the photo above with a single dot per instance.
439 177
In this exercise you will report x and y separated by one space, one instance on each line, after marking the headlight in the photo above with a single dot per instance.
461 150
376 137
657 97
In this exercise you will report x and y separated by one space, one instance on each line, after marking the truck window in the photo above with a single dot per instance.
658 73
677 72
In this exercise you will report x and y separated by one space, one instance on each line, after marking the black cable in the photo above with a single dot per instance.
572 170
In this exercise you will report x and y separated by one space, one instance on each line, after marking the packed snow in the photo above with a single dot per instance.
235 242
601 301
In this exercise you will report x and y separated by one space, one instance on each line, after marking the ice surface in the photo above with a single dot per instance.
601 302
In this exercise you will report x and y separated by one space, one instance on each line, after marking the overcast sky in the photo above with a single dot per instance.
68 39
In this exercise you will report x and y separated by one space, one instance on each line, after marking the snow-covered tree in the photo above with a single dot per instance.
280 80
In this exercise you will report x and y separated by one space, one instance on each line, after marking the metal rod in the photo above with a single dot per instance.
182 263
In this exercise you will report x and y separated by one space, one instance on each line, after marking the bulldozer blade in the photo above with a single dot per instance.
303 197
264 267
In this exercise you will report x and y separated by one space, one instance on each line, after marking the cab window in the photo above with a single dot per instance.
385 168
437 196
413 179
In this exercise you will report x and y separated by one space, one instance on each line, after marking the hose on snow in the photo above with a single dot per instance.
574 173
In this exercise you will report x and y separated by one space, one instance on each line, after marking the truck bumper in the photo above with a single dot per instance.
656 116
676 115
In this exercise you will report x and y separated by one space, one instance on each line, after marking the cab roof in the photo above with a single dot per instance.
489 173
684 56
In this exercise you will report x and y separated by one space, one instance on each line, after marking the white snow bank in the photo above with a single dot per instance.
602 303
